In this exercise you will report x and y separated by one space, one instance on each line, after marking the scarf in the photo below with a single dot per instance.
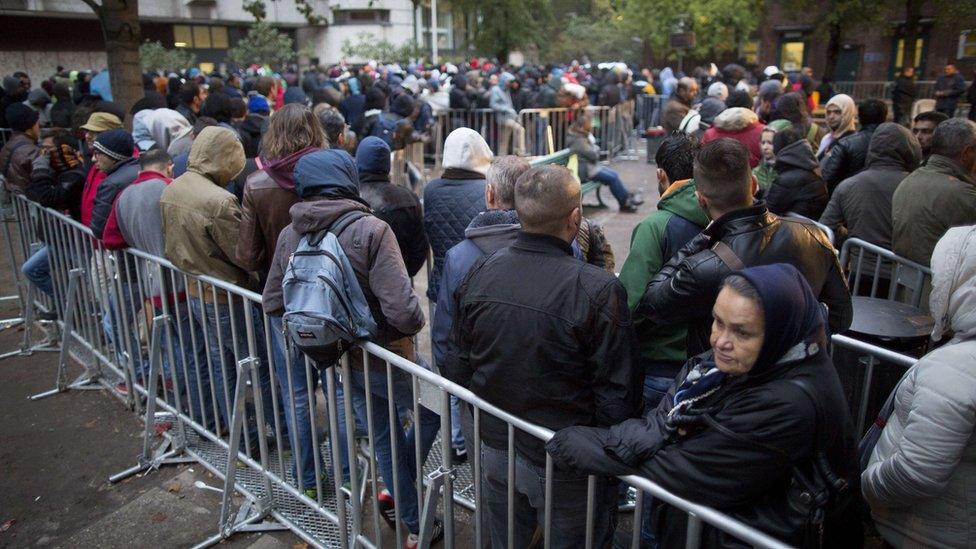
282 171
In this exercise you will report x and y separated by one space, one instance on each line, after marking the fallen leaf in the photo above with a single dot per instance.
7 524
173 487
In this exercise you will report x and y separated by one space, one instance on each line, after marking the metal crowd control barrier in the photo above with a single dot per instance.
309 449
877 272
648 111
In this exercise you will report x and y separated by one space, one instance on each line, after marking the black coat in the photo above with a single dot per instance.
685 289
546 337
798 186
766 425
903 94
847 157
401 210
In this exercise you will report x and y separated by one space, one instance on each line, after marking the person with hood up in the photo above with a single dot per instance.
861 205
375 104
500 101
847 156
740 124
841 117
269 193
201 224
327 184
255 124
451 202
918 480
765 172
741 420
798 187
40 102
581 142
395 204
548 96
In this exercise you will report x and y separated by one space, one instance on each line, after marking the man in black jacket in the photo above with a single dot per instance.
547 338
903 96
848 155
742 234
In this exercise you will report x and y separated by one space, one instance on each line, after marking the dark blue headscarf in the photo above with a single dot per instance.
328 172
792 312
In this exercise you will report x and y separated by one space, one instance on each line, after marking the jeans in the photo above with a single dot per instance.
457 436
655 387
510 130
222 325
610 178
37 269
296 393
406 465
121 326
568 503
190 361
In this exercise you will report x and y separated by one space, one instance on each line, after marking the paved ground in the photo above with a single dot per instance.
56 454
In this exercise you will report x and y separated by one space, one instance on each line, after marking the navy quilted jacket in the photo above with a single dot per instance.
449 206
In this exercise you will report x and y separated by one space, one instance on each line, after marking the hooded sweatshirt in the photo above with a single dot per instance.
741 124
798 187
919 479
500 99
327 182
654 241
861 205
201 220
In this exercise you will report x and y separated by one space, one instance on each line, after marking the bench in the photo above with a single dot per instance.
567 159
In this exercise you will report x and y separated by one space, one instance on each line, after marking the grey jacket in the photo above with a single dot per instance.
919 481
500 99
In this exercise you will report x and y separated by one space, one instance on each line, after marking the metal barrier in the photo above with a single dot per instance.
648 111
877 272
200 362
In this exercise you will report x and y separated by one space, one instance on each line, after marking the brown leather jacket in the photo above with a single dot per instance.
15 158
264 213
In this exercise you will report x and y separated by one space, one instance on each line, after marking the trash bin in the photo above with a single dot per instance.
654 138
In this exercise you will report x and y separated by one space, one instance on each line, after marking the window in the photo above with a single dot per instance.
444 26
200 36
900 52
791 56
360 17
967 44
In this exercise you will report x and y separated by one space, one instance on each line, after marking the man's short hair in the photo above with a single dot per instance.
953 136
872 111
502 175
544 196
153 158
935 117
263 85
333 123
676 156
723 175
188 92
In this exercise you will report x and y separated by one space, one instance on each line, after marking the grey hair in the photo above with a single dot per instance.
502 175
333 124
953 136
741 285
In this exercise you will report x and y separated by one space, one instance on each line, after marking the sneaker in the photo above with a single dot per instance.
121 388
387 507
636 199
436 534
46 315
628 208
459 455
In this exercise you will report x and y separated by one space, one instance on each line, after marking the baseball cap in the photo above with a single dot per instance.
102 121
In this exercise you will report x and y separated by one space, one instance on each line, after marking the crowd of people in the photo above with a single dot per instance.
709 354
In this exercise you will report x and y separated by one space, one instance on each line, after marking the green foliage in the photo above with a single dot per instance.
367 46
598 38
264 45
256 9
506 25
155 56
719 25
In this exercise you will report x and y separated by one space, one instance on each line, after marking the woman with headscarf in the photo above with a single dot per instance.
919 479
743 421
841 117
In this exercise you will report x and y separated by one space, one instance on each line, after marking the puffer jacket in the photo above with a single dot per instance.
372 249
919 480
201 220
798 187
933 198
686 287
847 157
401 210
450 203
740 124
16 157
118 177
861 205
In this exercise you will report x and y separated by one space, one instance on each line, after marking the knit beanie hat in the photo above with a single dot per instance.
20 117
257 103
116 144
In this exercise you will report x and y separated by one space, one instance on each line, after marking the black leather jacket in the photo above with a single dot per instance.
546 337
686 287
847 157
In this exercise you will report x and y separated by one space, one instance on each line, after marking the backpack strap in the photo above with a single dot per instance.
337 226
725 253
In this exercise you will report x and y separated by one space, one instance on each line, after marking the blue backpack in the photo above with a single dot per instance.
325 310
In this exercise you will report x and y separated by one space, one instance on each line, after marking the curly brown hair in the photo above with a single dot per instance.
291 129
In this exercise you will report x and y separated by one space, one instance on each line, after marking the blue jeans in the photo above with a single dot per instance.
655 387
569 492
189 357
120 324
222 324
296 393
406 466
610 178
37 269
457 436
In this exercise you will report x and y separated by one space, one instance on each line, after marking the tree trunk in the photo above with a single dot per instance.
834 34
647 54
120 27
913 14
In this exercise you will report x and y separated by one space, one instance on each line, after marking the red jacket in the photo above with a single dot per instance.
112 236
94 179
740 124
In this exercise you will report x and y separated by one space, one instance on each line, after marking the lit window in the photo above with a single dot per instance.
967 44
750 51
201 37
791 56
219 37
182 36
900 53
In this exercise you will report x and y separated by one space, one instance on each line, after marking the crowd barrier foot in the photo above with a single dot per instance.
167 453
84 382
435 484
245 521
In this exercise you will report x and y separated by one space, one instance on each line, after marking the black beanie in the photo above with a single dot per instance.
116 144
20 117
